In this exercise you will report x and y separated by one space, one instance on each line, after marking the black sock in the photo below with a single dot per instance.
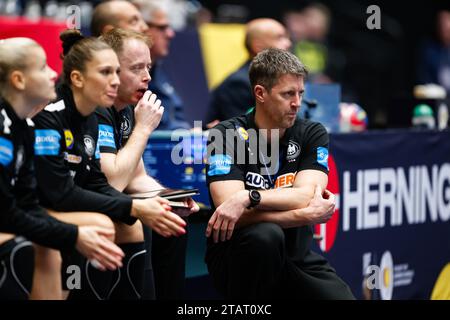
148 290
131 280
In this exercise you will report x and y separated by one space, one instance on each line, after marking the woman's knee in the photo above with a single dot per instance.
103 221
129 234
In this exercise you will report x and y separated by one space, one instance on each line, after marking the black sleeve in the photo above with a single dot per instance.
221 164
58 190
31 221
314 154
106 133
231 99
99 183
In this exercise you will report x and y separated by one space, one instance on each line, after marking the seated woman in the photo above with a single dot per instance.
68 167
26 85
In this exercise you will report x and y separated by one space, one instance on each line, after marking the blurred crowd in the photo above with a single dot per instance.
377 69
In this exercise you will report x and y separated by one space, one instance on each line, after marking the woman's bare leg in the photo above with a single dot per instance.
129 234
5 237
47 274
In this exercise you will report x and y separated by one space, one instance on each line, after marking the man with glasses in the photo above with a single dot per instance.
233 96
159 30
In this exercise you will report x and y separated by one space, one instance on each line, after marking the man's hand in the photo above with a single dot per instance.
93 243
191 205
224 219
156 213
321 207
148 112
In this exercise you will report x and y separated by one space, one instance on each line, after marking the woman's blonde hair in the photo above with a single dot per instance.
14 54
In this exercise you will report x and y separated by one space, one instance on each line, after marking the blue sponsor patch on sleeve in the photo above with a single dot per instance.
6 151
322 156
219 164
46 142
106 136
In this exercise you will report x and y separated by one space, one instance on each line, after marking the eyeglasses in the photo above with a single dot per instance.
160 27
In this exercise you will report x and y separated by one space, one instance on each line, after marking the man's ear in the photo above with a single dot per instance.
17 79
257 46
106 28
259 92
76 78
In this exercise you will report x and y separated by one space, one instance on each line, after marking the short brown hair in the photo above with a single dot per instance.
268 65
116 37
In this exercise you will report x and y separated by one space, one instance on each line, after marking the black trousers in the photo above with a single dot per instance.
169 261
254 265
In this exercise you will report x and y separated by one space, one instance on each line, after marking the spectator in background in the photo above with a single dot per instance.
434 63
116 14
309 30
161 33
234 96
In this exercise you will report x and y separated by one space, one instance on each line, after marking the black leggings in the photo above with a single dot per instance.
254 265
168 258
16 269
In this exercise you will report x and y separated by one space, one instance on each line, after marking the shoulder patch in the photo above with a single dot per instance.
47 142
219 164
106 136
57 106
322 157
6 151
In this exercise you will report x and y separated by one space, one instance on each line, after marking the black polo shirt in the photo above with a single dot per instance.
20 211
114 128
238 152
68 162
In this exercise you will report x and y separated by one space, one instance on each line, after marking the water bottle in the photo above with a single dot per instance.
423 117
442 116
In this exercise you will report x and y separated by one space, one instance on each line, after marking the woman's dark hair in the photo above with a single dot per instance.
78 50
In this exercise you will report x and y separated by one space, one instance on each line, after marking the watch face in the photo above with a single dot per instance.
256 195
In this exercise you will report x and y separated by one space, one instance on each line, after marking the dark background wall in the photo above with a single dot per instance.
380 65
